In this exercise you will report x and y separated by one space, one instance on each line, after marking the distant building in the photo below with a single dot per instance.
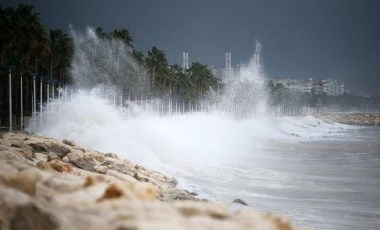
304 86
333 87
317 87
185 59
329 86
228 73
289 83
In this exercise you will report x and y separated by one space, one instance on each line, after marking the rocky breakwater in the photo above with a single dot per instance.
362 119
51 184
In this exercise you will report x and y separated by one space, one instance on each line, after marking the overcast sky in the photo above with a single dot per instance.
337 39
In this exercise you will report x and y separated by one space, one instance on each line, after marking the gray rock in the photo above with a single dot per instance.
181 195
112 155
73 156
139 178
193 193
60 150
67 142
39 147
240 201
86 164
83 151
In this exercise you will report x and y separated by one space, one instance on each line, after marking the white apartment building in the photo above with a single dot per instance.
226 75
333 87
329 86
303 86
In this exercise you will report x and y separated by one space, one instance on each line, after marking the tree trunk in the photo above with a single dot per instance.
35 65
60 79
1 57
153 72
51 66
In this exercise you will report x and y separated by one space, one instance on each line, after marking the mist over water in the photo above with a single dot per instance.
105 62
245 91
200 138
322 175
102 68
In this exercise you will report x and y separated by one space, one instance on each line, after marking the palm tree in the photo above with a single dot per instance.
34 32
20 41
139 57
100 33
174 77
182 83
202 78
157 64
61 50
123 35
5 38
24 31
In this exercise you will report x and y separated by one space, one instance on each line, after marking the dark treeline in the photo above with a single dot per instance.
28 48
164 79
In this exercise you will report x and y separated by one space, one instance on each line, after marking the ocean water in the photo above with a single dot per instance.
321 183
322 175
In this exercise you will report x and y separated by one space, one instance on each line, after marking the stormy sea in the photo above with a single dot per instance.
323 175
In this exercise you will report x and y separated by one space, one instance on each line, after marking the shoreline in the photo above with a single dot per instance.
52 184
358 119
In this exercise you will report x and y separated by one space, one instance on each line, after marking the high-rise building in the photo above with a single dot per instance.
228 71
185 59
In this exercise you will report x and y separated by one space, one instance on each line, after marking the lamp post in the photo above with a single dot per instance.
10 98
21 104
59 91
34 108
41 92
47 92
121 101
52 91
